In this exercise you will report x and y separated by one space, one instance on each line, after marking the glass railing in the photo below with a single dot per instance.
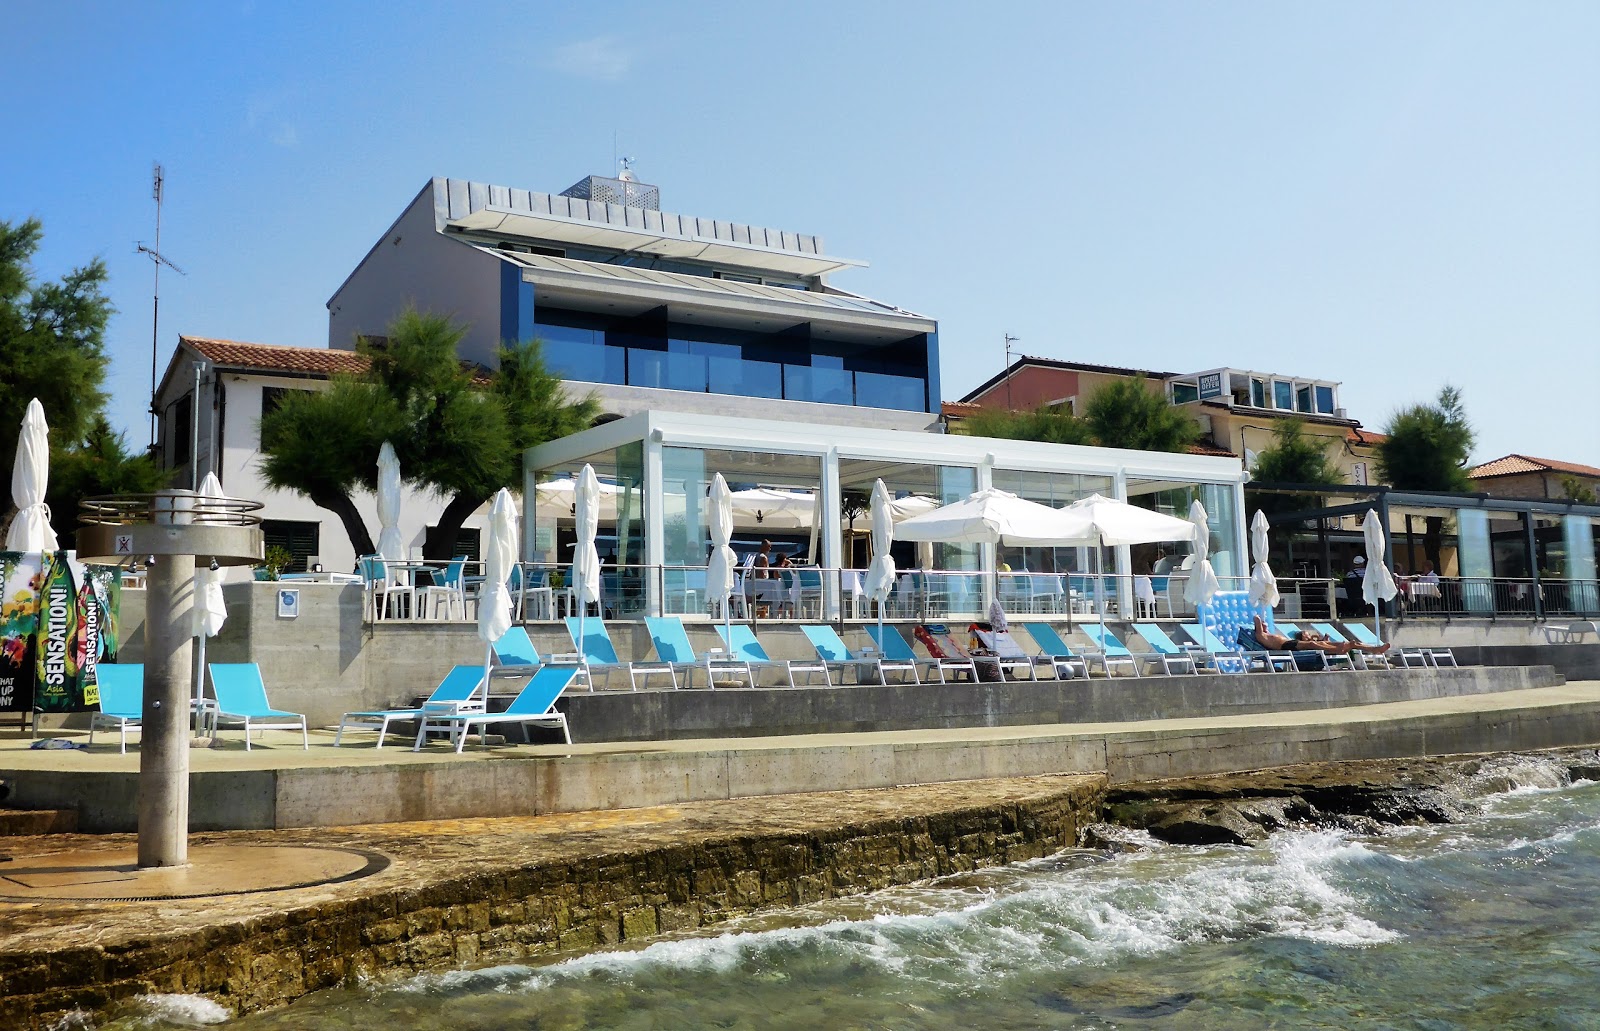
882 390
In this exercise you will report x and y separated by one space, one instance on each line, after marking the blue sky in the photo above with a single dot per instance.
1395 196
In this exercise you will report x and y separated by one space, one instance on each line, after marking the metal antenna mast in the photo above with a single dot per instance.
1009 341
158 260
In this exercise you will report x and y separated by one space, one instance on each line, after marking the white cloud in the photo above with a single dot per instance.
604 58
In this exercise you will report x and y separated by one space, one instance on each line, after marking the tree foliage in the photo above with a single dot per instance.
1123 413
1293 458
1428 446
52 347
1574 489
455 430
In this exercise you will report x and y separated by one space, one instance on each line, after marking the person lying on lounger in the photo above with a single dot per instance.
1310 640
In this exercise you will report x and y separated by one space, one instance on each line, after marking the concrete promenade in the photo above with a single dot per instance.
605 844
281 786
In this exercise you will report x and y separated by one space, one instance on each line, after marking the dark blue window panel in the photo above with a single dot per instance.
884 391
1325 400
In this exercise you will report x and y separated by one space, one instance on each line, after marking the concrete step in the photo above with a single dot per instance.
27 822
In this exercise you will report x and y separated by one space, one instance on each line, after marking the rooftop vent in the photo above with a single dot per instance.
625 191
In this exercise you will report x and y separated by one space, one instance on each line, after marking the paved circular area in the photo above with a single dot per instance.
213 870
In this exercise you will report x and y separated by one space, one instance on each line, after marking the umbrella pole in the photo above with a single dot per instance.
200 678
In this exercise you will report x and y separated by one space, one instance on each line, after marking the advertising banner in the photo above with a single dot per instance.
20 579
67 640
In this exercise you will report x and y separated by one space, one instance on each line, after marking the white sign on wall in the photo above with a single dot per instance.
1358 473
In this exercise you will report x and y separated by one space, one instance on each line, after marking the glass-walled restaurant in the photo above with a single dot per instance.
802 497
1454 555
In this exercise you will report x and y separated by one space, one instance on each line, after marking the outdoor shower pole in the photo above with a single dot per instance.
164 747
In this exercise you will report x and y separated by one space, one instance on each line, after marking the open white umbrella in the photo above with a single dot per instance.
494 598
30 530
557 499
880 575
1112 523
774 509
1202 578
210 611
719 568
994 517
1263 585
1377 584
585 559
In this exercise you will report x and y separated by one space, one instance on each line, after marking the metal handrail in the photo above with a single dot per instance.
168 506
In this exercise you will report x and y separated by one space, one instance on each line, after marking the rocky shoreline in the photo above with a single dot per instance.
1361 797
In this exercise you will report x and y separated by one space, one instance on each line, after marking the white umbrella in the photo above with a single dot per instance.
774 509
210 611
1112 523
1202 578
30 530
556 499
1376 583
391 546
1263 585
995 517
494 598
880 575
585 559
719 569
1116 522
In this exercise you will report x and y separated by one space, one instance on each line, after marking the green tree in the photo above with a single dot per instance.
456 430
52 347
1053 427
1573 489
1428 446
1292 458
1427 449
1125 413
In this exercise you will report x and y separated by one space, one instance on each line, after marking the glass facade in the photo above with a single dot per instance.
593 348
1057 490
1222 516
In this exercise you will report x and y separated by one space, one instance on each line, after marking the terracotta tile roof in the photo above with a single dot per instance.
1203 448
1511 465
959 408
317 361
1357 435
320 360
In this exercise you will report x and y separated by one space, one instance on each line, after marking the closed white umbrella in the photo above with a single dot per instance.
1202 578
1377 584
30 530
494 598
210 610
880 575
585 559
719 569
391 546
1263 585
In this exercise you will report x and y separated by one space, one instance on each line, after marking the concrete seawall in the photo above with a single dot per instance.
498 891
285 787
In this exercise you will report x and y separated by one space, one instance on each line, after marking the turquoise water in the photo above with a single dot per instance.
1487 923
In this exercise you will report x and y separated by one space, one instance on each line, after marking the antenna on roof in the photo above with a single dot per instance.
1009 341
625 169
158 178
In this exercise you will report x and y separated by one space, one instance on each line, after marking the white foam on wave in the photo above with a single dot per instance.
156 1010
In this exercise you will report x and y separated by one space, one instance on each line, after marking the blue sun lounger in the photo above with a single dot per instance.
1067 663
1328 661
1112 650
1171 656
121 699
672 646
596 649
457 692
242 698
742 644
893 647
535 703
1218 655
831 650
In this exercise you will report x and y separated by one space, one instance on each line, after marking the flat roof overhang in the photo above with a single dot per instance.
584 233
678 429
599 293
